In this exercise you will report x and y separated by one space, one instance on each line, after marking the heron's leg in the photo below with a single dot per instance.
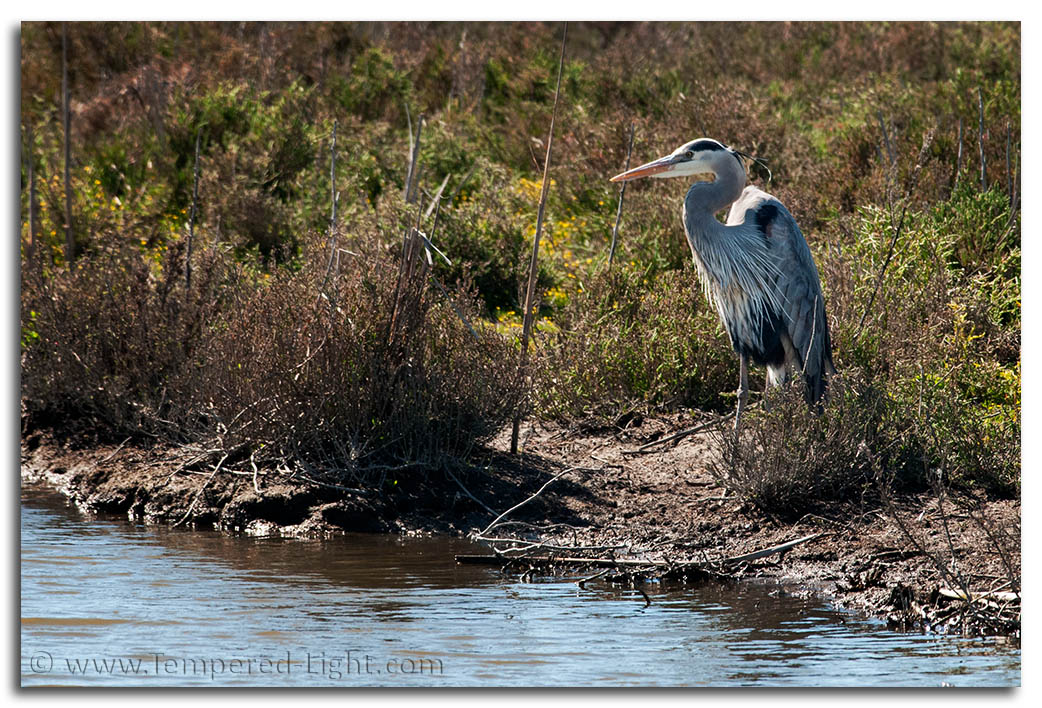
766 389
743 387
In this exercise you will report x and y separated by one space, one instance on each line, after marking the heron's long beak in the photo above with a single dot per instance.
651 169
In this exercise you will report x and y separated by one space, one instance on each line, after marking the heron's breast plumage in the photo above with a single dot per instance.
739 276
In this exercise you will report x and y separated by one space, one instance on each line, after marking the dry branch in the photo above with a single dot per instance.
191 216
622 194
601 562
646 447
980 141
412 176
540 491
333 198
70 241
533 266
195 500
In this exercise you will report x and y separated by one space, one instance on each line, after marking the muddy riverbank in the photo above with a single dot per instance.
664 506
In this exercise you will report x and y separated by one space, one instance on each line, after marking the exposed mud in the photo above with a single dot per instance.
660 506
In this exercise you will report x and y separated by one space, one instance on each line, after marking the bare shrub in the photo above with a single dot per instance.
788 461
102 342
376 371
373 371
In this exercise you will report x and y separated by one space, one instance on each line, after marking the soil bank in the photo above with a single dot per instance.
664 505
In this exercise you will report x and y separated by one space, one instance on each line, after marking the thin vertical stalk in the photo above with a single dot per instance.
891 157
980 142
533 266
958 160
1009 172
927 141
34 209
70 241
332 180
622 194
191 216
412 177
333 198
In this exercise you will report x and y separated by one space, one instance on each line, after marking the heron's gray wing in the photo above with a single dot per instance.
802 302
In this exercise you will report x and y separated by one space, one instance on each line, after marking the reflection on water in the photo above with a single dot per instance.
106 603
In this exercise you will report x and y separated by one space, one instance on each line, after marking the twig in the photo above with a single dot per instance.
675 436
540 491
533 266
772 550
1009 172
940 491
333 198
253 464
114 453
810 343
436 200
199 493
523 546
70 240
582 583
452 304
891 157
927 141
1000 547
191 216
459 187
958 160
467 491
980 141
412 176
613 563
622 194
893 514
429 245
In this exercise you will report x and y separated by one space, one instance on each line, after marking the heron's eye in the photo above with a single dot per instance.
690 154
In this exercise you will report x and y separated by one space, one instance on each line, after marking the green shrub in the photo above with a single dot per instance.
624 340
374 88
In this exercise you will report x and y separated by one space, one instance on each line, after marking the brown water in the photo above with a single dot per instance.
105 603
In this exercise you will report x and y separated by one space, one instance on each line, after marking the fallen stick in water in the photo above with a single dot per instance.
480 559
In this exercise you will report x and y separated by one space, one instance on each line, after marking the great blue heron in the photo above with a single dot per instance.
756 269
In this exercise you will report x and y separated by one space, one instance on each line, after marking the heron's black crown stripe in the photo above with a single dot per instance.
705 145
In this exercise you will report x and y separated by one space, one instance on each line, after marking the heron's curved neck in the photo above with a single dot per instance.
704 199
701 204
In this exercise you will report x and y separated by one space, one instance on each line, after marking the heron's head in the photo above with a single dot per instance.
704 159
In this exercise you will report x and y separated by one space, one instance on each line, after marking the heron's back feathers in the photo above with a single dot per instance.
797 301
